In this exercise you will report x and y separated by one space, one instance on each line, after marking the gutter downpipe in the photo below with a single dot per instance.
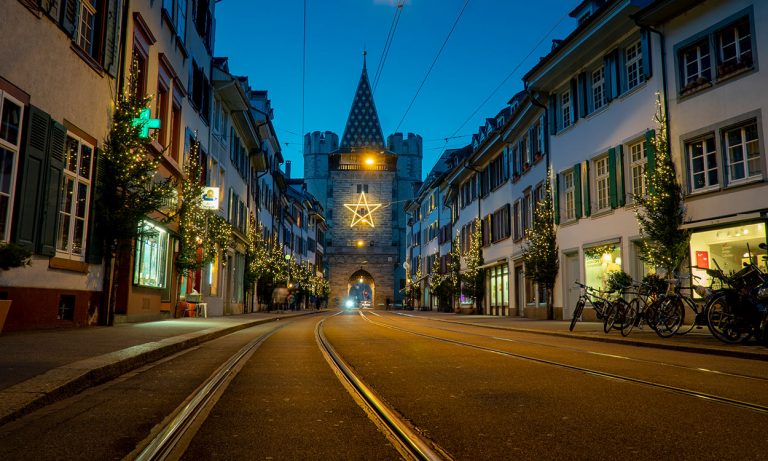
664 82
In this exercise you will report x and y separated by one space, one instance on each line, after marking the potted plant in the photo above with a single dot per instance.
11 255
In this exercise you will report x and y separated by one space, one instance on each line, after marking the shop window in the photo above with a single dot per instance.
498 284
727 248
599 261
151 255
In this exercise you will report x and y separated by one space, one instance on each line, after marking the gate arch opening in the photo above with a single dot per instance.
361 288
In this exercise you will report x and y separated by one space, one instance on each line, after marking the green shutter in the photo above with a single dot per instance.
587 204
575 102
556 198
621 193
583 108
31 178
69 16
650 155
110 57
577 189
552 115
51 193
612 199
645 45
94 245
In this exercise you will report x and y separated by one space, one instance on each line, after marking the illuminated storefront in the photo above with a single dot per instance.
497 289
599 261
726 247
151 256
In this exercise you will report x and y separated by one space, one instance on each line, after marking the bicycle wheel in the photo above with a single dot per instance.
630 317
609 316
669 316
577 312
722 322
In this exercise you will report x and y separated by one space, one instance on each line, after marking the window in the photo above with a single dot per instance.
599 262
702 163
633 64
569 196
734 43
161 111
75 192
86 29
565 109
151 253
602 183
500 224
695 63
598 88
140 61
637 165
743 153
11 115
177 12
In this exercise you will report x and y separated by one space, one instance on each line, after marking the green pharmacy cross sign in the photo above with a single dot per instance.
145 123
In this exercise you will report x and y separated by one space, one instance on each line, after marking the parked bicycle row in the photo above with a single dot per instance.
734 306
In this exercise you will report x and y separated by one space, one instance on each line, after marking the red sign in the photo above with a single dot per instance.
702 259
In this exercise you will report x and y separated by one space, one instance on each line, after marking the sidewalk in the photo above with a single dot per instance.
40 367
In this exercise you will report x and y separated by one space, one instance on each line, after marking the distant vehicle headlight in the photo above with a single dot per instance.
349 304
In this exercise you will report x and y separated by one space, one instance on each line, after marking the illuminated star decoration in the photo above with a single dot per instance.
362 211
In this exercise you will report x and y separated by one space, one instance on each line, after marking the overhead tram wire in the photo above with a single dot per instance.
508 76
387 44
429 71
303 74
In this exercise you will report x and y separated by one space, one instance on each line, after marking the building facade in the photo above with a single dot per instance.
362 183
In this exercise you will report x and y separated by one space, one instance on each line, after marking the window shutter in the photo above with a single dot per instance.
645 48
577 189
111 37
51 192
575 102
552 119
69 16
587 185
556 198
621 193
543 138
94 246
612 199
31 179
650 155
608 76
582 94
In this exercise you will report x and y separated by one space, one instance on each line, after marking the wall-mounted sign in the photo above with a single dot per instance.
211 198
144 122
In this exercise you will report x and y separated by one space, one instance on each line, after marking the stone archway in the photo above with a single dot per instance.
361 288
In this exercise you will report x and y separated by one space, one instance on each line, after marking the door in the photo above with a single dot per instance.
571 289
520 291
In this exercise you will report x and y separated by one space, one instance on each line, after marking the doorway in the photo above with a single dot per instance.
572 290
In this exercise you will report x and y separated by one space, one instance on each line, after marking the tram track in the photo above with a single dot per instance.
170 440
759 408
407 440
589 352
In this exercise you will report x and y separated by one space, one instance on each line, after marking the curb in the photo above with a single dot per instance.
68 380
750 355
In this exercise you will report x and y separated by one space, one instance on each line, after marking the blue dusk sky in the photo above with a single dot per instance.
492 40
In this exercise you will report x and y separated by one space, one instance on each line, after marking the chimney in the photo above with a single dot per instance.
288 169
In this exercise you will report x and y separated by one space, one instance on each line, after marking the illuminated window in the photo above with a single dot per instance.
599 261
151 254
76 187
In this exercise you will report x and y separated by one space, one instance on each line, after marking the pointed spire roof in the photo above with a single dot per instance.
363 128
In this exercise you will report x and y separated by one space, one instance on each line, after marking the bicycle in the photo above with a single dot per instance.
593 296
647 306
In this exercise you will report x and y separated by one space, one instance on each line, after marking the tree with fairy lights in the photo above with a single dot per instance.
661 212
454 270
416 285
438 282
202 233
256 256
472 278
128 189
540 253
